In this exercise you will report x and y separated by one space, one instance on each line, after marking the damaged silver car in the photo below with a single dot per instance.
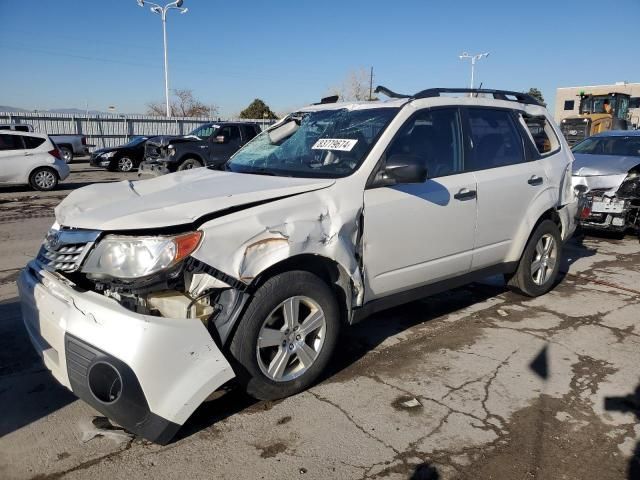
147 296
606 172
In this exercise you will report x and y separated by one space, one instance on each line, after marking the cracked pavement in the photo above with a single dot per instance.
476 383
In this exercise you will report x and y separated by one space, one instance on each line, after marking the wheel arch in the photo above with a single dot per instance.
527 229
328 270
41 167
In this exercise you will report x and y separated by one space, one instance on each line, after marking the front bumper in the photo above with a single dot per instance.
150 167
606 213
166 367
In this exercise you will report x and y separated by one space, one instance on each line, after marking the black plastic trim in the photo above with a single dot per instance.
130 409
407 296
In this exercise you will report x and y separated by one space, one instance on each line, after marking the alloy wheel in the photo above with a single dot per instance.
45 179
544 259
125 164
291 338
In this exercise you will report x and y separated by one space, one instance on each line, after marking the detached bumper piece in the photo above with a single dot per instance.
612 214
111 387
152 168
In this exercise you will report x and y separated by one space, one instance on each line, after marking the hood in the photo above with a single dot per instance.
176 199
164 140
586 165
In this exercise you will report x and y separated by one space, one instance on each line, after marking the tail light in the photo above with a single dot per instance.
585 212
56 153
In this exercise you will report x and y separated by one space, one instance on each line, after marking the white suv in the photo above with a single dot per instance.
147 296
30 158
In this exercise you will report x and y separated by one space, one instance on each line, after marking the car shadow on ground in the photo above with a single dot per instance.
363 337
629 403
356 341
28 392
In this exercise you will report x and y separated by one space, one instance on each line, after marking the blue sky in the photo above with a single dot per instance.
64 53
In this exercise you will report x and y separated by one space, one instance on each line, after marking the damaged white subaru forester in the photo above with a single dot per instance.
148 296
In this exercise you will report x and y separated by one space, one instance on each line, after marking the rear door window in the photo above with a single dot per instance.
11 142
32 142
495 139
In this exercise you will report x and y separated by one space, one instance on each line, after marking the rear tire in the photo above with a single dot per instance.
287 335
43 179
540 262
188 164
67 154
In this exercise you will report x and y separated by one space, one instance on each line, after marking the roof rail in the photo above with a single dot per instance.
390 93
436 92
497 94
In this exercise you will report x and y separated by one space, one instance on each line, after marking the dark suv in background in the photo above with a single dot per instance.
211 144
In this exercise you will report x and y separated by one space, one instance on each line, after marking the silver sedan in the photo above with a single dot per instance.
606 173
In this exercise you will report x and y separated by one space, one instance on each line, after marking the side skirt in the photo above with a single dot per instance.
400 298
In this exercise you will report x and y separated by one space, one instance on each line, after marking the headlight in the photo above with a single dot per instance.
172 150
108 154
128 257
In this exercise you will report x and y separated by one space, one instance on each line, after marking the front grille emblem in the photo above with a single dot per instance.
53 239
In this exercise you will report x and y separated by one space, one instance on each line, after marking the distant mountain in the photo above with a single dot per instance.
4 108
73 111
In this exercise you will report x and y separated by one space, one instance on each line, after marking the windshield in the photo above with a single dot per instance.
327 143
619 146
135 141
205 131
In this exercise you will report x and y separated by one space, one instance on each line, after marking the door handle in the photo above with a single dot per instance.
535 180
27 154
465 194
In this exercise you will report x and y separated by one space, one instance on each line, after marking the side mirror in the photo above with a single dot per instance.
403 168
221 139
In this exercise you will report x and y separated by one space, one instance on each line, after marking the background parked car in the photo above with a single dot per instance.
69 145
607 172
30 158
123 158
211 144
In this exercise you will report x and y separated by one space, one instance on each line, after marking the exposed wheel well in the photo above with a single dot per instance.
552 215
190 156
328 270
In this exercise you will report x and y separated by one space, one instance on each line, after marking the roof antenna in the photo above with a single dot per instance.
479 88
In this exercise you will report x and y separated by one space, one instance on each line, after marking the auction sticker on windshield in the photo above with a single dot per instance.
342 144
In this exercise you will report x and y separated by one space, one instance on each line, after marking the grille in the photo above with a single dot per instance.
575 131
64 250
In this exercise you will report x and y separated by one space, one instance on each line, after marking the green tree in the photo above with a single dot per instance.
258 109
537 94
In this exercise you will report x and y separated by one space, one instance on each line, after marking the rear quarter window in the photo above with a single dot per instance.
540 133
32 142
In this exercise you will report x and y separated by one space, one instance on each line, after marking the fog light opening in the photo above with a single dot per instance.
105 382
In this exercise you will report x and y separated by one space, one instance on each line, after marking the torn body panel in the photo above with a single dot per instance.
245 244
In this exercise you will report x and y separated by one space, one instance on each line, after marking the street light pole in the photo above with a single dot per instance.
162 11
474 59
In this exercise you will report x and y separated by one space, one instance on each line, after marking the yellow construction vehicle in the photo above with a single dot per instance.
598 113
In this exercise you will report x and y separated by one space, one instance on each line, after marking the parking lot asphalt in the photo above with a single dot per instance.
476 383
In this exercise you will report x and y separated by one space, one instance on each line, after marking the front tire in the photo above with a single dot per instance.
43 179
124 164
540 262
286 336
188 164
